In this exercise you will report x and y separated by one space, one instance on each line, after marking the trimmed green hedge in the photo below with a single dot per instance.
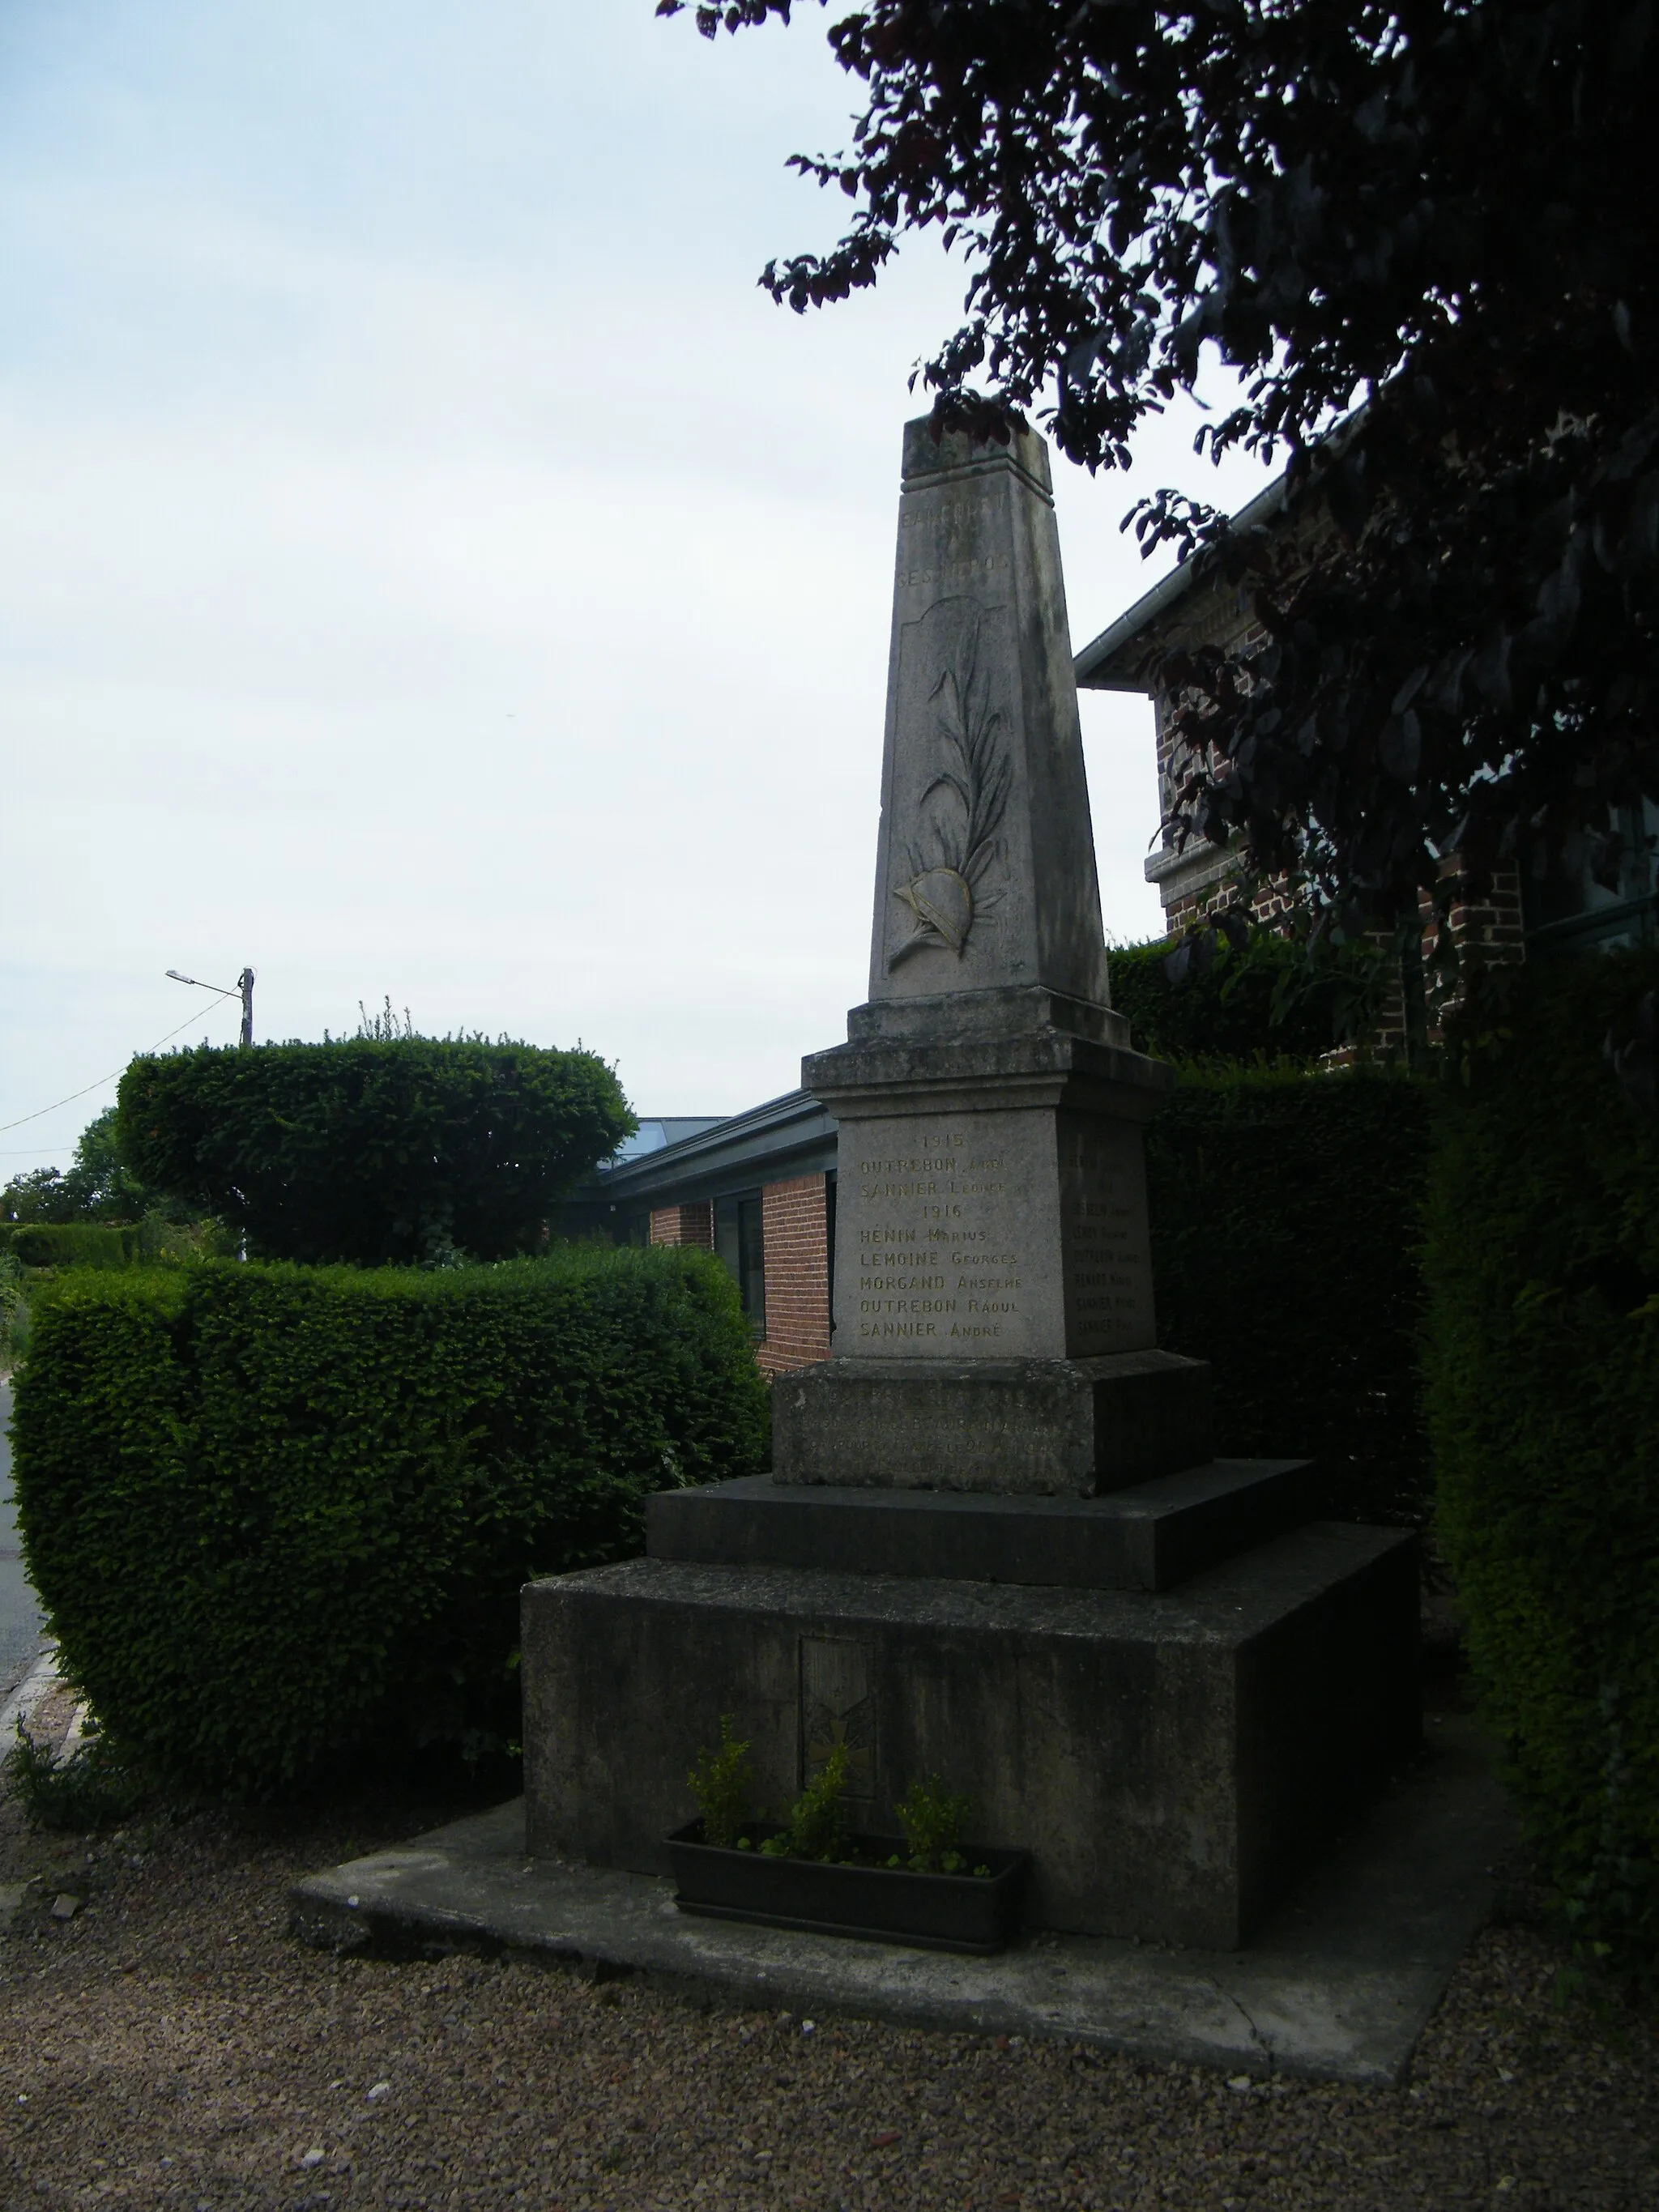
1543 1367
68 1243
280 1516
127 1244
1285 1213
379 1151
1226 1011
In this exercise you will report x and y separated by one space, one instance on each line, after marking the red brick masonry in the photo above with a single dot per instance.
684 1224
794 1227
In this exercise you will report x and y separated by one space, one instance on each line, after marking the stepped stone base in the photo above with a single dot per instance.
1171 1759
1024 1427
1147 1538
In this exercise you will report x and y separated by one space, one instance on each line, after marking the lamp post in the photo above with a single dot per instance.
244 991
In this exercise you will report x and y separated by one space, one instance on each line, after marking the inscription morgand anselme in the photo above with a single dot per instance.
937 1268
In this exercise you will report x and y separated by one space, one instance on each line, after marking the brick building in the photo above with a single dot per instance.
759 1188
1527 911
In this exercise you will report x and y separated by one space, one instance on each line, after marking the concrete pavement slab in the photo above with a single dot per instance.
1338 1987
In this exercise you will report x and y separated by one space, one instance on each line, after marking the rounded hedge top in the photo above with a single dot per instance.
372 1150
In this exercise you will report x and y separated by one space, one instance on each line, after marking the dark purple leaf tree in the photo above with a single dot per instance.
1429 224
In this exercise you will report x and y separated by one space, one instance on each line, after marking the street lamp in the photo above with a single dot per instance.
244 991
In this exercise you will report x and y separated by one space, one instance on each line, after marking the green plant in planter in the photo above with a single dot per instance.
817 1821
720 1781
932 1819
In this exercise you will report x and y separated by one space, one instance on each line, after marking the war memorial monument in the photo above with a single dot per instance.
996 1544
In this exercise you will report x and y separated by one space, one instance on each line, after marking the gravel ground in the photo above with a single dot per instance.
169 2045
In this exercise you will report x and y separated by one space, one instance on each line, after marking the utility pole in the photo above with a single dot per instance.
244 991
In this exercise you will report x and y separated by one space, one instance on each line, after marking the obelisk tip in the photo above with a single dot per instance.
932 460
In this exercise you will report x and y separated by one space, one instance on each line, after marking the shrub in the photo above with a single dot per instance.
722 1782
67 1244
934 1818
90 1787
816 1827
372 1150
281 1516
1543 1368
1226 1011
13 1311
1285 1216
155 1239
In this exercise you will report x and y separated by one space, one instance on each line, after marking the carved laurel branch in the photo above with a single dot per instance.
940 893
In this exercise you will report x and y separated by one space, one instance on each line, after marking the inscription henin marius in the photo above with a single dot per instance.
960 811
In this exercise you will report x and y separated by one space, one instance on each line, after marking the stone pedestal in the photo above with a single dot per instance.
1171 1760
1020 1427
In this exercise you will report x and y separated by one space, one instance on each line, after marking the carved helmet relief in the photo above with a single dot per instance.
953 840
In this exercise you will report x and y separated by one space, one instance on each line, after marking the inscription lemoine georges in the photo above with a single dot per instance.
935 1267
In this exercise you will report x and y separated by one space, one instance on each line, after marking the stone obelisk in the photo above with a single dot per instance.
995 1546
993 1324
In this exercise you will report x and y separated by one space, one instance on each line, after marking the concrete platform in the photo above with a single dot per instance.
1337 1986
1148 1537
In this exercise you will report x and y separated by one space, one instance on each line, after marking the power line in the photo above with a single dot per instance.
100 1083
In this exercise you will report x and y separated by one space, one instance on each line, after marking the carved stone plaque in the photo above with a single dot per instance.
838 1705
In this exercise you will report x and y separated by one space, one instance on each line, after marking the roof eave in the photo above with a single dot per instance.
1110 663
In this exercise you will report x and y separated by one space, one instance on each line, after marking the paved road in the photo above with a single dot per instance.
19 1609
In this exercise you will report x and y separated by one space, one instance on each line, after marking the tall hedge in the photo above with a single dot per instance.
1226 1010
1285 1213
372 1150
1543 1366
280 1516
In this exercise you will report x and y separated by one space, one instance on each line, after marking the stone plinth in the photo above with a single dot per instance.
1024 1427
1150 1538
1170 1760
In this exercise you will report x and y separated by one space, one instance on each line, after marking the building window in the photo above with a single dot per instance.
1567 910
739 1242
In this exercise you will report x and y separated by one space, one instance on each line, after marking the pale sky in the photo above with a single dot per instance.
430 567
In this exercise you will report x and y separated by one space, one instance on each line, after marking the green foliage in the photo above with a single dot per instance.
91 1788
68 1244
932 1819
280 1516
14 1309
1445 207
376 1149
1543 1395
1285 1216
721 1782
1260 1000
99 1187
817 1820
156 1241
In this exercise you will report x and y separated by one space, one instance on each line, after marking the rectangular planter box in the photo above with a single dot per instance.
884 1905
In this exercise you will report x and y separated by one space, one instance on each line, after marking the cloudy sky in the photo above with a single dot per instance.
430 566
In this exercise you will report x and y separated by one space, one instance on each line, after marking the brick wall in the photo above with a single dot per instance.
795 1227
1490 925
684 1224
